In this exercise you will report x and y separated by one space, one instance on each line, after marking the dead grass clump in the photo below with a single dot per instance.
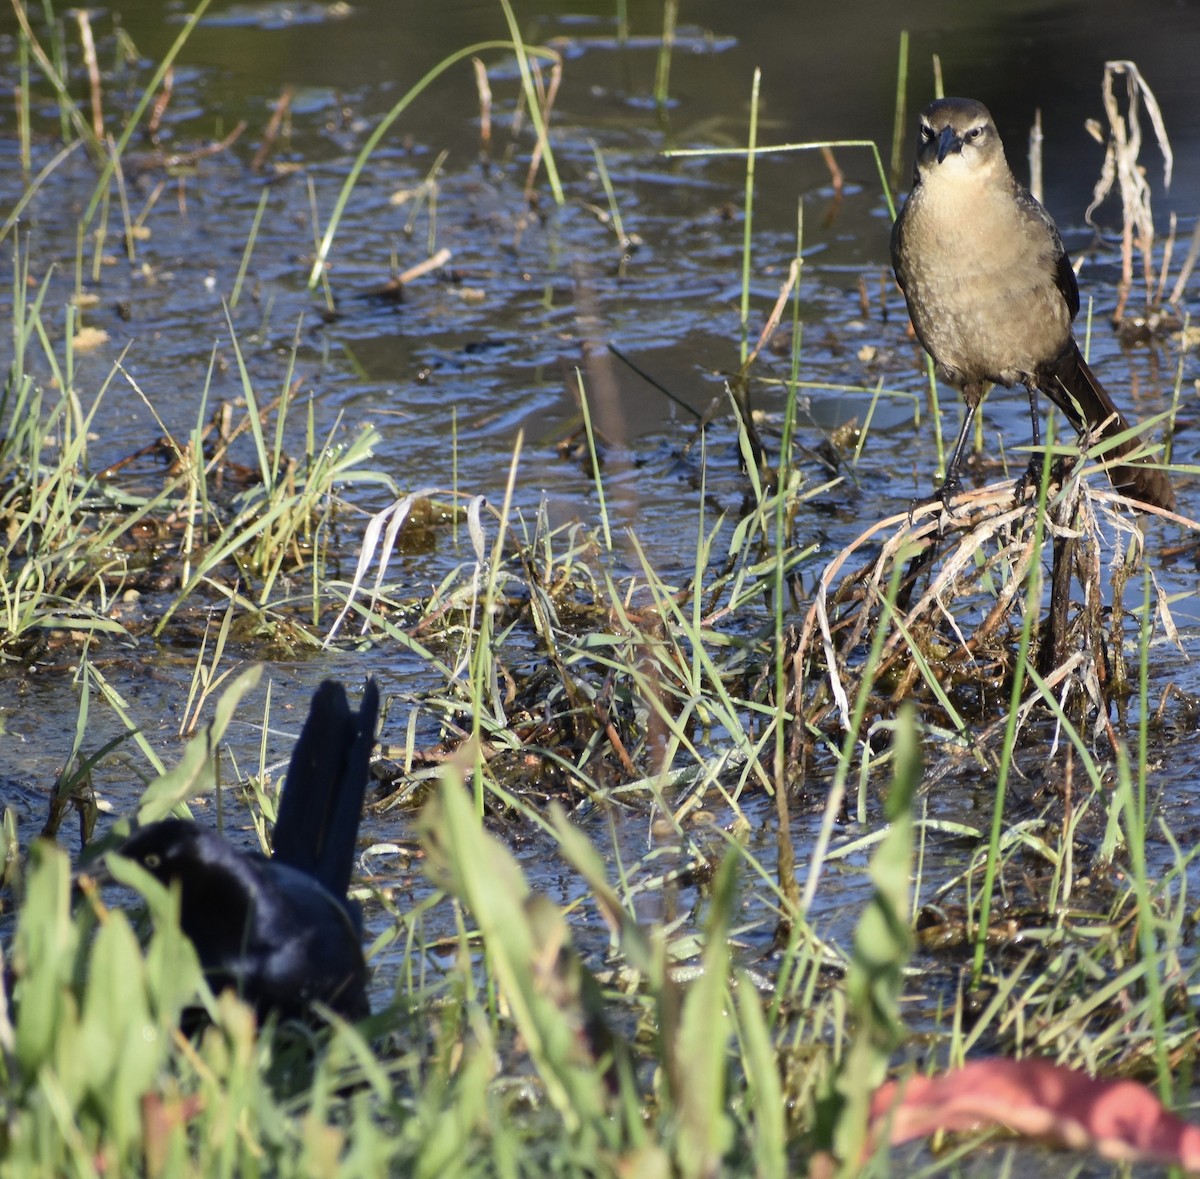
935 608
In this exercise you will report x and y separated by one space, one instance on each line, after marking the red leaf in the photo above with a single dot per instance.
1037 1099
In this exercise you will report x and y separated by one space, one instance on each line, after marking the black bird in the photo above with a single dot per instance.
282 931
991 291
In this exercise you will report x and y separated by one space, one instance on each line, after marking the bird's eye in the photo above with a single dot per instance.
974 133
926 132
152 861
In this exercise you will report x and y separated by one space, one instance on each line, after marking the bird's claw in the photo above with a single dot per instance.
943 495
1030 478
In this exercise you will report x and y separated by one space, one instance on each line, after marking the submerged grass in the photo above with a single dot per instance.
719 1028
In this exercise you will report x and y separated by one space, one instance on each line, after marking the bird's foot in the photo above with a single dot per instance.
944 495
1030 479
951 487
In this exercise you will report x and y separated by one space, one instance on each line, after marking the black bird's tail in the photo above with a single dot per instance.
1074 384
321 804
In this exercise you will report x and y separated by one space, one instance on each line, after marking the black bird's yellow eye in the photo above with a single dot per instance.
151 861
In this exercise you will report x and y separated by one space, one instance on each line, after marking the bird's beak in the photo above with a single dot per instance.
948 141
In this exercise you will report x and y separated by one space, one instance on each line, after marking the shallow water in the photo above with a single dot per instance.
489 346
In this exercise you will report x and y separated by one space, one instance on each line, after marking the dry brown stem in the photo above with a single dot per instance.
953 634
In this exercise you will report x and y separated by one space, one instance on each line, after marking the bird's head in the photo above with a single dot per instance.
957 138
165 849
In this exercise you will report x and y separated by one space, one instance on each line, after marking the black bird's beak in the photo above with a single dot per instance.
948 141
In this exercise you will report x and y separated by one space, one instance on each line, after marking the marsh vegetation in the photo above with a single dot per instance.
716 784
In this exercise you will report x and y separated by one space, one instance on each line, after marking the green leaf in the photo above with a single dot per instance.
525 937
44 959
700 1057
120 1047
882 947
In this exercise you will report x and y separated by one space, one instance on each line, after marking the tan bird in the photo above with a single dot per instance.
992 293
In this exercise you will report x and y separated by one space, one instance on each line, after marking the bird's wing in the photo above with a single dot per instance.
1064 272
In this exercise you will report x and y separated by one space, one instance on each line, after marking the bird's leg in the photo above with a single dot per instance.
1034 422
1032 475
952 484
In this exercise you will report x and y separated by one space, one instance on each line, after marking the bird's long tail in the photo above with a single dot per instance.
321 804
1075 388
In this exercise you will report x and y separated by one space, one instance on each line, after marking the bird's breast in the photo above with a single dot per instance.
979 277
